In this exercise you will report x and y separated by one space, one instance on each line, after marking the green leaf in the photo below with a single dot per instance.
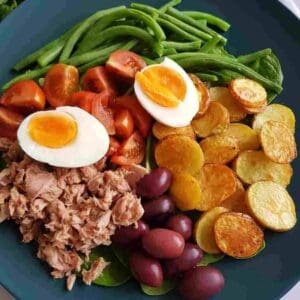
263 246
122 254
167 286
210 259
2 163
149 158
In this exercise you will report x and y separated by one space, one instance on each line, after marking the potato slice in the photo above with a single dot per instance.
180 154
203 93
214 121
278 142
275 112
238 235
254 166
186 191
247 138
217 183
204 230
223 96
161 131
219 149
251 95
271 205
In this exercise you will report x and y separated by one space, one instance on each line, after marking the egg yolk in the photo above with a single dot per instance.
52 130
162 85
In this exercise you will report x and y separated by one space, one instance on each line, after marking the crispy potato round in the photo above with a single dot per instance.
251 95
217 183
275 112
247 138
214 121
223 96
254 166
278 142
160 131
203 93
219 149
204 230
271 205
180 154
186 191
238 235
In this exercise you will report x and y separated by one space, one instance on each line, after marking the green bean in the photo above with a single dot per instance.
211 19
210 44
207 77
203 22
218 61
249 58
50 55
183 46
84 26
126 22
123 30
172 3
26 76
149 61
169 51
225 76
145 8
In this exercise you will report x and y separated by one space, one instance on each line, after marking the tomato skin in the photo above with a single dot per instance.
61 82
132 151
142 119
24 96
124 123
114 146
124 65
9 122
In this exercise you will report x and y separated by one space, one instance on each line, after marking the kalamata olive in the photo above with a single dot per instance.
155 183
159 208
163 243
146 269
201 283
190 256
181 224
126 235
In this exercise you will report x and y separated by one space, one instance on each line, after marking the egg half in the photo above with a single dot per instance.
167 93
67 137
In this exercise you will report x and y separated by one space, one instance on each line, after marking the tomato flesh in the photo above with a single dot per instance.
60 83
124 123
24 96
114 146
9 122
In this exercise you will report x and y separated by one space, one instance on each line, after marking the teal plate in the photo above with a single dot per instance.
256 24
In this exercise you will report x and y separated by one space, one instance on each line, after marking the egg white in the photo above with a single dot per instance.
89 146
179 116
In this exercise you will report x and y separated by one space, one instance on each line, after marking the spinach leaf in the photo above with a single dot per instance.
6 6
210 259
122 254
167 286
2 163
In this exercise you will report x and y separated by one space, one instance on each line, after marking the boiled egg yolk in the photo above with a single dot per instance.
52 130
162 85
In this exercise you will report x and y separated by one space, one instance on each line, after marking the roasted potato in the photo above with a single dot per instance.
275 112
278 142
214 121
254 166
223 96
219 149
186 191
238 235
247 138
217 183
204 230
160 131
271 205
179 154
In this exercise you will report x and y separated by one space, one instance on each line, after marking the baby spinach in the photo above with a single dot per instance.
122 254
210 259
2 163
6 6
167 286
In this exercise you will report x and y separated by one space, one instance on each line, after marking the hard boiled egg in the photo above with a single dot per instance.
168 94
66 137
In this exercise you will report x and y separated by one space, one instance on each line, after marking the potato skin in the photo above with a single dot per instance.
161 131
238 235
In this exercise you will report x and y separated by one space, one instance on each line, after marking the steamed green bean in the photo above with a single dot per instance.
183 46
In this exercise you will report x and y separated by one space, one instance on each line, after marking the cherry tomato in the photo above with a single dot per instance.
114 146
60 83
24 96
132 151
9 122
125 64
124 123
142 119
97 80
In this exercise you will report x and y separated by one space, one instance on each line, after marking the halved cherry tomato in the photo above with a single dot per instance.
60 83
132 151
98 80
114 146
142 119
9 122
24 96
104 115
125 64
124 123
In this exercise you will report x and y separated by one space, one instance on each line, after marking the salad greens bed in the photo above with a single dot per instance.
7 6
